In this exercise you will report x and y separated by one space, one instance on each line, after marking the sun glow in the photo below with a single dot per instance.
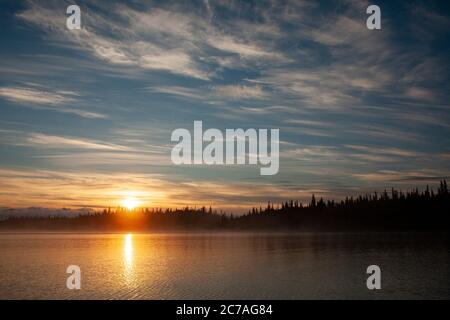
130 203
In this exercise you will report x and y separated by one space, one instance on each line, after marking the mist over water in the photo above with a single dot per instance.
223 266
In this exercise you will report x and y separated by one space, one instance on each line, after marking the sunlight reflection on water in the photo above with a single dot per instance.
220 266
128 252
128 260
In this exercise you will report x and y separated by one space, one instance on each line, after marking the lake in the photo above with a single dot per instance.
223 266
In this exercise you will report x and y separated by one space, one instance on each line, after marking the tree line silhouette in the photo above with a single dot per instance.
415 210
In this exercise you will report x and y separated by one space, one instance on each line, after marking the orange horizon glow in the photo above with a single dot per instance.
98 191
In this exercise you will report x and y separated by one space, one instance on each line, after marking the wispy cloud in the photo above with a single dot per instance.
46 99
390 177
232 92
179 91
36 96
153 39
246 51
238 92
50 141
386 151
131 44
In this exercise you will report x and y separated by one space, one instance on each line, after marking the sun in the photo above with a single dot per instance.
130 203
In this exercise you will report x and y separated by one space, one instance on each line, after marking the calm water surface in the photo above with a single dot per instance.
222 266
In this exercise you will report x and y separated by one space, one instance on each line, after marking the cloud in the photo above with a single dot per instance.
246 51
343 30
179 42
131 44
215 93
84 114
326 87
174 61
52 141
115 160
183 42
240 92
44 99
420 94
388 177
179 91
387 151
376 133
312 152
36 96
304 122
356 157
360 64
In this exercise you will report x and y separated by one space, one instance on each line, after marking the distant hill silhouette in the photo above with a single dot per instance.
416 210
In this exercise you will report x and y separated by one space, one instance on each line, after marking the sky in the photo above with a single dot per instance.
86 115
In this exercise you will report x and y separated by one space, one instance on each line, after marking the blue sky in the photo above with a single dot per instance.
86 115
